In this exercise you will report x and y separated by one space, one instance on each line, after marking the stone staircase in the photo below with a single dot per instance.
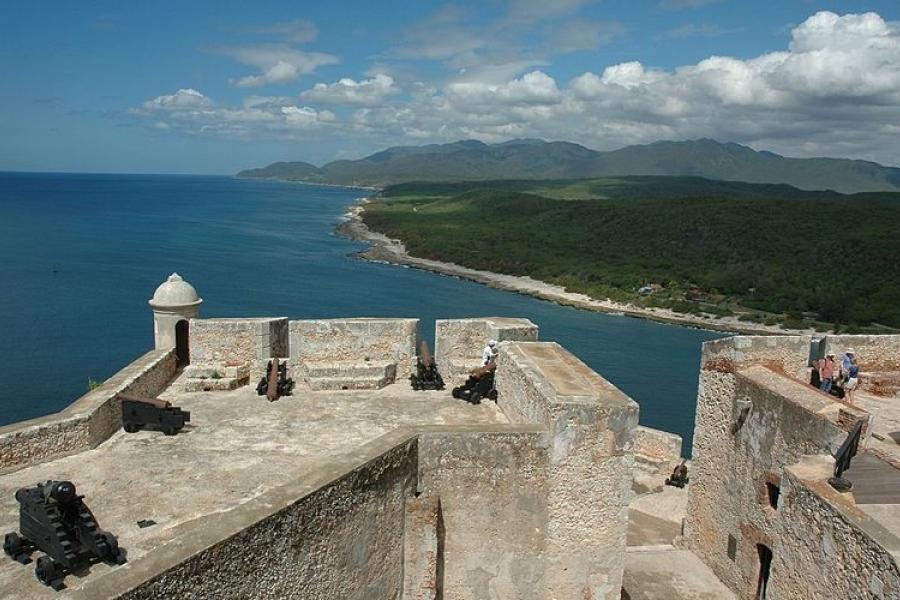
348 375
214 378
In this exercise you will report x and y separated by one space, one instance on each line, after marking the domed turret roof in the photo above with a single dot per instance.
175 292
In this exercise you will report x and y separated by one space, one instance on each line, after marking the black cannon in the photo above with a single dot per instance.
276 382
479 385
426 376
54 519
679 477
144 413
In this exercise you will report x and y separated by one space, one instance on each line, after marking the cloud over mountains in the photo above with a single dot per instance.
834 90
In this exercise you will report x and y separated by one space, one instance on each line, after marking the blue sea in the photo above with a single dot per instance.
82 254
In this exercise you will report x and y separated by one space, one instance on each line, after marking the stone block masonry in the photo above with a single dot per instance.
355 341
458 343
589 451
232 342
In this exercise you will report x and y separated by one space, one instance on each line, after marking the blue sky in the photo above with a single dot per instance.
212 87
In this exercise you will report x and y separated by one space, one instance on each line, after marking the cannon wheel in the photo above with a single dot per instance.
112 548
130 427
49 573
169 430
12 544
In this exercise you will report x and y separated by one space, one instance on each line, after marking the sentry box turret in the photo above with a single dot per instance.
54 519
151 413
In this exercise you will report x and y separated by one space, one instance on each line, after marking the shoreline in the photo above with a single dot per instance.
390 251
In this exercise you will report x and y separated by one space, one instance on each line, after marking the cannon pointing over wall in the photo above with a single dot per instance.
426 376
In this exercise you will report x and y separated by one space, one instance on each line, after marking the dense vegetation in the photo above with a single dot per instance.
765 253
536 159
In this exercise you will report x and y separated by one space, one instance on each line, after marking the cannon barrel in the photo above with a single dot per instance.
272 391
425 354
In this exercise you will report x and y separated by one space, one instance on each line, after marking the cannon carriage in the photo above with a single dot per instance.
276 382
478 386
426 376
54 519
151 413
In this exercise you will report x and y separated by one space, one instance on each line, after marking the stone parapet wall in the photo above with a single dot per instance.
589 446
828 548
874 352
337 532
233 342
786 354
458 343
90 420
356 340
656 452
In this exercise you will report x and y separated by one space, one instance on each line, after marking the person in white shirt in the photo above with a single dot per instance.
490 351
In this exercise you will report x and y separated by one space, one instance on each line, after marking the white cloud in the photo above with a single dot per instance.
185 98
278 63
583 34
366 92
835 90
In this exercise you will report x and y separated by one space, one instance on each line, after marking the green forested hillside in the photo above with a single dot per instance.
767 253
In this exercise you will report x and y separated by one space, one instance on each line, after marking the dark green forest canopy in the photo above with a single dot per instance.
715 246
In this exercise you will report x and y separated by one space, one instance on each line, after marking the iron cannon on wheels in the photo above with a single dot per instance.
426 376
478 386
142 413
54 519
276 382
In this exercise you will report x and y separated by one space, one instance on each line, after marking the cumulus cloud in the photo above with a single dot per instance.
366 92
834 90
278 63
192 112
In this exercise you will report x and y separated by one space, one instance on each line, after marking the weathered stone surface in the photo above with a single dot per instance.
828 548
590 457
423 549
655 452
754 420
458 343
232 342
355 341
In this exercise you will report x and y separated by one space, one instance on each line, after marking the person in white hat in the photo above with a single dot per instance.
490 351
847 362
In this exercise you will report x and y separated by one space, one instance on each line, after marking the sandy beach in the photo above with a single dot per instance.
392 251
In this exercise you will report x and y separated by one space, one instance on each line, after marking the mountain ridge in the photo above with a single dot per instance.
468 160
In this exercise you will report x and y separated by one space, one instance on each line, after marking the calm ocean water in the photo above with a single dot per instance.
82 254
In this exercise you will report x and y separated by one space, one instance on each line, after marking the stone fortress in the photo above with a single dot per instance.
357 487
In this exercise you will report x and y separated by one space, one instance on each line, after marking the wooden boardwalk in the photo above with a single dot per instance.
874 481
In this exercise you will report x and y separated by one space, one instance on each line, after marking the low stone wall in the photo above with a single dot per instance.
655 452
589 448
458 343
90 420
828 548
874 352
233 342
337 532
360 340
786 354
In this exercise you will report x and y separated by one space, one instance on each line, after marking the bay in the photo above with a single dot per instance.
80 255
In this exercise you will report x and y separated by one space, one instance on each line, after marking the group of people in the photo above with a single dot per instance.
838 378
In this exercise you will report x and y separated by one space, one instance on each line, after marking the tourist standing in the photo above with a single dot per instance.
489 352
826 373
852 381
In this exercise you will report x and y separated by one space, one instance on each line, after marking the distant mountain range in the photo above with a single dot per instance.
535 159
